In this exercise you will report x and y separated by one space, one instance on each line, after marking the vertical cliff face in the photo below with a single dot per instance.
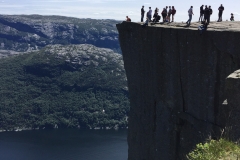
176 80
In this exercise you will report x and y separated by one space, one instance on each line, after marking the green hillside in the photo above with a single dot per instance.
63 86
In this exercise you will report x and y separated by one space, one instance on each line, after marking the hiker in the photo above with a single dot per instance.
210 13
221 9
206 14
190 13
173 13
156 17
232 17
164 14
145 23
149 14
142 13
128 19
166 19
201 14
203 27
169 14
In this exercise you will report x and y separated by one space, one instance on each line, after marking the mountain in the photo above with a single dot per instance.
63 86
23 33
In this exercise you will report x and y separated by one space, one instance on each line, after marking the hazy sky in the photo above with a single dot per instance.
114 9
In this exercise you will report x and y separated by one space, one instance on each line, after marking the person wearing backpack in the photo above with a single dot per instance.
164 14
173 13
190 13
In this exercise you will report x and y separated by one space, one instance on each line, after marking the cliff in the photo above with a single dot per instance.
176 79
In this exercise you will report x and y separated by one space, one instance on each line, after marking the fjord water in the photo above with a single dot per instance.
69 144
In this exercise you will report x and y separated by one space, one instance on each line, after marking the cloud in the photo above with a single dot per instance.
236 13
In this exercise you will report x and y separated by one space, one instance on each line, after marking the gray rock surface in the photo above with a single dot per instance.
23 33
233 99
176 80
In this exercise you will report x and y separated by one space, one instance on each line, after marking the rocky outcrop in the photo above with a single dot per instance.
23 33
176 80
233 102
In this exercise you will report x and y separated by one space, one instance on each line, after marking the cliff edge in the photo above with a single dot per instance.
176 80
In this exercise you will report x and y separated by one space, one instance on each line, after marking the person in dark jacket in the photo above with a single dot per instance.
221 9
201 13
232 17
156 17
173 13
164 14
142 13
206 14
210 13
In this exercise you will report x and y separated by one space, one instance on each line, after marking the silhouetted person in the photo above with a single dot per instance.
210 13
221 9
232 17
206 14
201 13
156 17
164 14
169 14
190 13
142 13
128 19
173 13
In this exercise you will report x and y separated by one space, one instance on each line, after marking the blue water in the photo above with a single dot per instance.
69 144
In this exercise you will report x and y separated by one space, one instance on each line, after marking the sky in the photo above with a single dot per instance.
115 9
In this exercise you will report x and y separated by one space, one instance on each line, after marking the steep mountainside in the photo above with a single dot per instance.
63 86
177 86
32 32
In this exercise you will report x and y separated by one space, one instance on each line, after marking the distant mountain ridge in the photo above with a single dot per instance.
24 33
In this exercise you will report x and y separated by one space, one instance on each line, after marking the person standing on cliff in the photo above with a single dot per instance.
190 13
206 14
201 13
164 14
173 13
169 14
142 13
149 14
221 9
210 13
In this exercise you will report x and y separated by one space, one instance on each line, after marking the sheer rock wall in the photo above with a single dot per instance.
176 80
